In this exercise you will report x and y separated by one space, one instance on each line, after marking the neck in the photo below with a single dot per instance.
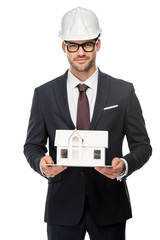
83 76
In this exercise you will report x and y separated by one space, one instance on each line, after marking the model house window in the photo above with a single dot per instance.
64 153
97 154
75 141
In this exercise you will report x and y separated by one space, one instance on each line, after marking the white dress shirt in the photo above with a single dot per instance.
73 93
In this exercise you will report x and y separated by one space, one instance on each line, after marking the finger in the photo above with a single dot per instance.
108 170
104 170
99 169
110 174
60 169
53 171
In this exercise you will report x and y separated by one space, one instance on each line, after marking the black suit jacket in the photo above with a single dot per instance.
108 200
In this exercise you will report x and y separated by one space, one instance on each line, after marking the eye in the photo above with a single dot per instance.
89 44
72 45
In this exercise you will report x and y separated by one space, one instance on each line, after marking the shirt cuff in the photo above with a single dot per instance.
119 178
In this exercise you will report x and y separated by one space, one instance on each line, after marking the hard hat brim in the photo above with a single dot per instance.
79 38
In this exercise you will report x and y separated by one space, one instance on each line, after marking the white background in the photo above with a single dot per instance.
30 54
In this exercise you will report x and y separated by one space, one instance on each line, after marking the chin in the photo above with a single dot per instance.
82 68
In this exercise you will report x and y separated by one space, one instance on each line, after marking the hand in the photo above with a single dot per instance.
118 166
50 171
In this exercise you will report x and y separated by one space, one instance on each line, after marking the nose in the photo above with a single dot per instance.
80 51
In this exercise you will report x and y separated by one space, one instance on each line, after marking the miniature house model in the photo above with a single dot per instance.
81 147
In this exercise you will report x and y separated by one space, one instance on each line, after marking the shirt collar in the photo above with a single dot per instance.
90 82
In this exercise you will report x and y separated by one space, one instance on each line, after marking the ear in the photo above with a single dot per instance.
98 45
63 47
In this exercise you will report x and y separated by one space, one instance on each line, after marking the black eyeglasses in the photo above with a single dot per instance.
87 46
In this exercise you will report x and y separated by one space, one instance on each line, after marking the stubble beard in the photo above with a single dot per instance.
82 67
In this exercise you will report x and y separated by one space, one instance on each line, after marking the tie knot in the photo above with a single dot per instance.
82 87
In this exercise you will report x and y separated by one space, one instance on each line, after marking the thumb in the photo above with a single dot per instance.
115 161
47 159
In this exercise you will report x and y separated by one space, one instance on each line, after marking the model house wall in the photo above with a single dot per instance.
81 147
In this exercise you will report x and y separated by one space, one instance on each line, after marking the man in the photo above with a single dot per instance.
82 199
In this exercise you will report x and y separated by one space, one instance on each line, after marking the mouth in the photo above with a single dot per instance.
81 60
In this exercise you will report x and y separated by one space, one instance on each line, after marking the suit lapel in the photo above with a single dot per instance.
60 92
102 95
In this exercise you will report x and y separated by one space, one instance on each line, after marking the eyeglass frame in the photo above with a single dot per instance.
81 45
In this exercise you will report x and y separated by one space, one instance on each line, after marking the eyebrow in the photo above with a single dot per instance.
81 43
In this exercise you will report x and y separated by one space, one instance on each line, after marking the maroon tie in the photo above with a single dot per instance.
83 113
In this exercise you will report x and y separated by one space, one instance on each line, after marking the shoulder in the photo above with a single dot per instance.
115 82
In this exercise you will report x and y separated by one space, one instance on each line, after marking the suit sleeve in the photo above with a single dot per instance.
35 145
137 137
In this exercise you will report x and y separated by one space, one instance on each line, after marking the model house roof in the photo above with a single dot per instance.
89 138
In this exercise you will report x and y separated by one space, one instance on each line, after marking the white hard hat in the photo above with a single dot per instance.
79 24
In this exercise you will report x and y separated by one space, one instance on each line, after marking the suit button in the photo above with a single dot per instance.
82 173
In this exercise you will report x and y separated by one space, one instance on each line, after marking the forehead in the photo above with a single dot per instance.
81 41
